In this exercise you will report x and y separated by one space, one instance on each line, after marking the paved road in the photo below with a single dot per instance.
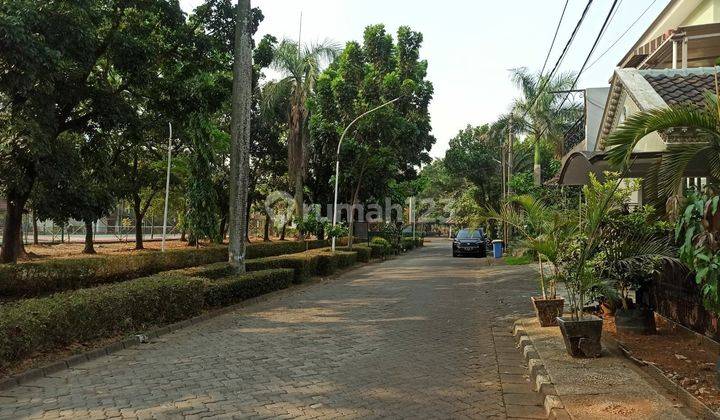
420 336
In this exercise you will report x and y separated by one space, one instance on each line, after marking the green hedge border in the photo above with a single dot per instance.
52 322
56 275
49 323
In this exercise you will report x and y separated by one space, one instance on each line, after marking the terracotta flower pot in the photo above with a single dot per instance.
548 310
582 337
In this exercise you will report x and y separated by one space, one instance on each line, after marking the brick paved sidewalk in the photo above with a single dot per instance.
424 335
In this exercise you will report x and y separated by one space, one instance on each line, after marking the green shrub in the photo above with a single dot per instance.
381 246
407 244
48 323
235 288
209 271
55 275
364 253
304 264
45 277
330 262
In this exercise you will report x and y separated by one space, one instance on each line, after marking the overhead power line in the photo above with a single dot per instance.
592 50
557 29
550 75
623 34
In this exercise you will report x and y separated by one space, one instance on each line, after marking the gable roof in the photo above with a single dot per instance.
652 89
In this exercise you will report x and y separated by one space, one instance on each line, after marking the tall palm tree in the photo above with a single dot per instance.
665 178
542 115
300 65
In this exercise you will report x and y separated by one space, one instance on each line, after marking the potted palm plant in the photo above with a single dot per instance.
544 231
582 331
633 249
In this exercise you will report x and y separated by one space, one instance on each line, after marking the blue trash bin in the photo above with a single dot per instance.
497 248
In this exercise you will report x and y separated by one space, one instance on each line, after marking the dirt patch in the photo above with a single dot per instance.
687 359
71 250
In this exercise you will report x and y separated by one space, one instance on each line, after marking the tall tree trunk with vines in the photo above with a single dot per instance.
240 134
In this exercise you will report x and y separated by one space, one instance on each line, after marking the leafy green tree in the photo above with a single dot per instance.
388 144
474 156
202 216
72 67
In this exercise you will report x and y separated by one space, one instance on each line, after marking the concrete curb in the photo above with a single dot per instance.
70 362
694 404
538 375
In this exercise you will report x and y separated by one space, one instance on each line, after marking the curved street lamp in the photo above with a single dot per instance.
337 160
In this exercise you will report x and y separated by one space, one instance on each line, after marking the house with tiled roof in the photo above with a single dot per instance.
669 65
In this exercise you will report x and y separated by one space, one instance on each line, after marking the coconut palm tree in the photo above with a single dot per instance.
300 65
666 176
544 116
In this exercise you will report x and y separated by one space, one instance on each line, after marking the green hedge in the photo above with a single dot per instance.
364 253
42 324
232 289
304 264
381 247
269 249
330 262
45 277
55 275
407 244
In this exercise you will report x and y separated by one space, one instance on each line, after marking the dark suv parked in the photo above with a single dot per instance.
469 242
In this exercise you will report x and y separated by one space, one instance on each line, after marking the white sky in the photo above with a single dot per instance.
469 44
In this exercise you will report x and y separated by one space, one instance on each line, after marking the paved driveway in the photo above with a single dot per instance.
423 335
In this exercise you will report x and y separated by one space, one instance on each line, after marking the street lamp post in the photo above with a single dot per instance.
337 160
167 188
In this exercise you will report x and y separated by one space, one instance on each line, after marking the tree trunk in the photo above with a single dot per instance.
282 231
36 240
89 246
240 135
247 221
62 234
298 199
138 223
223 229
266 230
12 247
537 169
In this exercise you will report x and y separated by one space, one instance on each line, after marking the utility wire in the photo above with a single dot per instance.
592 50
623 34
557 29
550 75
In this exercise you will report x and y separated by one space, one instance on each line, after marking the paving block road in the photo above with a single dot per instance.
423 335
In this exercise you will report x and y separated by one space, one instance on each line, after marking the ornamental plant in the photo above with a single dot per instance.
698 232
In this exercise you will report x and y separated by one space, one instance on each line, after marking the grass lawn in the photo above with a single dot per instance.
521 260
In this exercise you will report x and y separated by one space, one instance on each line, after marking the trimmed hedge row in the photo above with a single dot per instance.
41 324
304 265
47 323
236 288
364 253
45 277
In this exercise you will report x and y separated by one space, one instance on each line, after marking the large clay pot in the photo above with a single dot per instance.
635 321
582 337
548 310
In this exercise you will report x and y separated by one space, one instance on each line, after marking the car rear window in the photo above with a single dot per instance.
469 234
